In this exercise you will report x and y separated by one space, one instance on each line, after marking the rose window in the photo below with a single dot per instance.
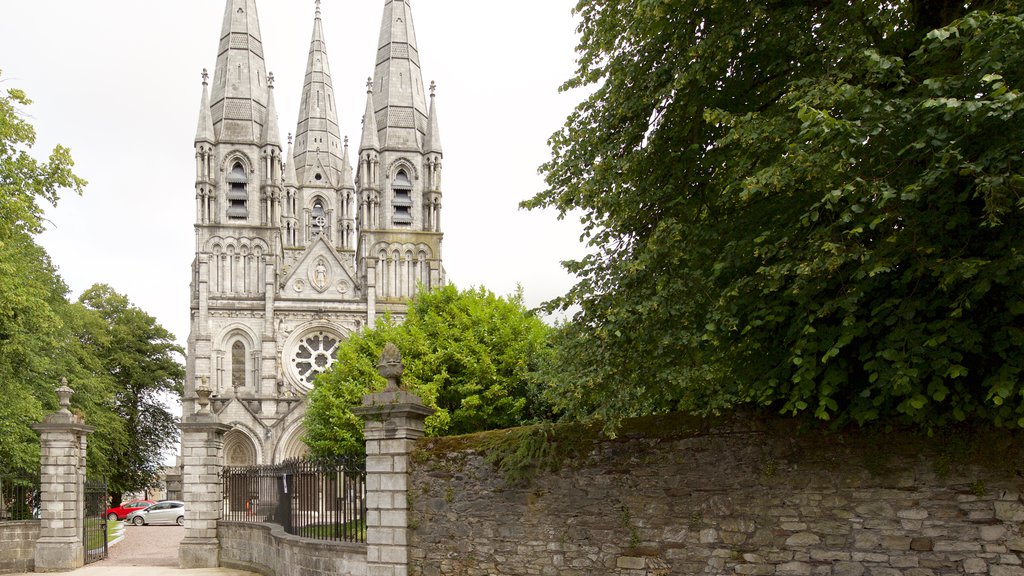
314 354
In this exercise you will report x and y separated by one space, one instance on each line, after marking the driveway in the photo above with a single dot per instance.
147 551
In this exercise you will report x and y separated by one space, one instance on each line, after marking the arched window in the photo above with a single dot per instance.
238 193
402 201
318 219
238 365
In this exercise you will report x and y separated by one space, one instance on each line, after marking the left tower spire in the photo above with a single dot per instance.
240 93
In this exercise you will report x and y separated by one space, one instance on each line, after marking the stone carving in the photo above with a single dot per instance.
203 393
64 393
320 276
391 367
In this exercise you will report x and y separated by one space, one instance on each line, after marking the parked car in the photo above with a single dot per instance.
121 512
166 512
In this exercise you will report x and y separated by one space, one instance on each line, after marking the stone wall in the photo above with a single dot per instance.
266 549
18 546
755 499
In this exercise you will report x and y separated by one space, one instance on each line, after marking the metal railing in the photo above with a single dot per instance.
20 498
321 499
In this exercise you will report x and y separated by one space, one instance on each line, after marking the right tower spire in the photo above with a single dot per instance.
399 169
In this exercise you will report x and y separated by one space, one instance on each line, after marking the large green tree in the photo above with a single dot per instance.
32 295
807 205
472 355
143 362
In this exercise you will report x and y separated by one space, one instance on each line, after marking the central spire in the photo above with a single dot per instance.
400 104
239 93
317 137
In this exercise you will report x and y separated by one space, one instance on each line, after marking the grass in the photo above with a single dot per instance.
94 532
354 531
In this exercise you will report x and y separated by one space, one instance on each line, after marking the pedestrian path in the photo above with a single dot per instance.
100 569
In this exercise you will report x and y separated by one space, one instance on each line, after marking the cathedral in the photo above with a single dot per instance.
297 249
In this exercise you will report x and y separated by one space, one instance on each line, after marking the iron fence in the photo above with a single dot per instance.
94 520
322 499
20 498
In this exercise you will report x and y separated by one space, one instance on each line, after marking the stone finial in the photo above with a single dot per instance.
270 80
391 367
206 77
289 138
317 8
64 393
203 393
369 85
433 88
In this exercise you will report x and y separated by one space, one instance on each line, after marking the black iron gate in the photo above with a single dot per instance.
94 533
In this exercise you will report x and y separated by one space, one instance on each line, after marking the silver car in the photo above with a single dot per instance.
166 512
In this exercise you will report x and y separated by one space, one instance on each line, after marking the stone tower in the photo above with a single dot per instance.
295 252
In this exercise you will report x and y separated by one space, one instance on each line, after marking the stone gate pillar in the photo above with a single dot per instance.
62 444
202 459
393 422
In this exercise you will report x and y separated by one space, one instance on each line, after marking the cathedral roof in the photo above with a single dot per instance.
240 93
399 102
317 137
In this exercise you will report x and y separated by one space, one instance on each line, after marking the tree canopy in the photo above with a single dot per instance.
472 355
141 359
120 363
810 206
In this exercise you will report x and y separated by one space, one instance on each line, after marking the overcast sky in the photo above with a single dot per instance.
118 82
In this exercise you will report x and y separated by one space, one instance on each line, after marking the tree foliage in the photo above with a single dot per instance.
120 363
473 356
810 206
142 361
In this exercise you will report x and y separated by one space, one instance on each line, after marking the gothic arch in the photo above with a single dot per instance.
237 156
237 364
402 164
241 447
291 444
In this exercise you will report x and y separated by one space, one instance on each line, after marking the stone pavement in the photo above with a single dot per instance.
100 569
147 551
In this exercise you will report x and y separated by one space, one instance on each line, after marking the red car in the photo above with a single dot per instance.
122 511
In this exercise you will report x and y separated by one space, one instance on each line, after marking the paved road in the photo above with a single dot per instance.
147 551
146 546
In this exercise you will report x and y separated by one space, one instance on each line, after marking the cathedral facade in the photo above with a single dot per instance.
297 249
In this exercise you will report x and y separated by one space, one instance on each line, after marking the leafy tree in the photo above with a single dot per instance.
810 206
473 356
24 181
32 295
141 358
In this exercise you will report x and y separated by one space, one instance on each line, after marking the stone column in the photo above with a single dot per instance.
202 458
62 443
393 422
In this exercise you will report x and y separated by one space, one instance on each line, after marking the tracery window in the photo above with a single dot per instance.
314 355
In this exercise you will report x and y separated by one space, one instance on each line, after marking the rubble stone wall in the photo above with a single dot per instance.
748 498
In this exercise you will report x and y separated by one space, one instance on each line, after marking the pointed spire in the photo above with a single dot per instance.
240 92
317 137
289 168
204 132
432 140
399 80
371 136
347 176
271 128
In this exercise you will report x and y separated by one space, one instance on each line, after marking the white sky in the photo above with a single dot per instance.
118 82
